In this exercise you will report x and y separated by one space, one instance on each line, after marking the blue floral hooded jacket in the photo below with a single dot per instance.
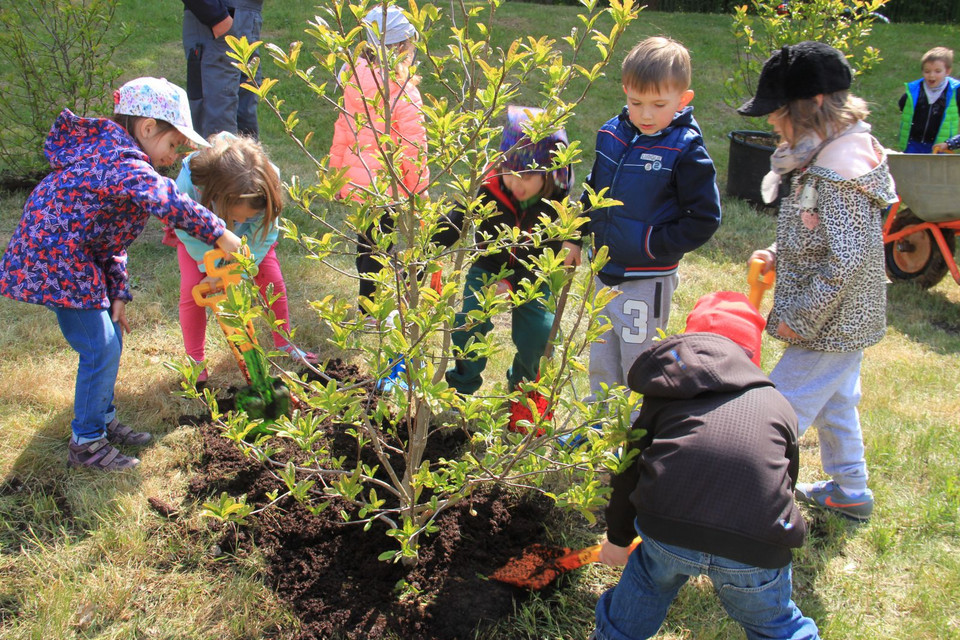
69 249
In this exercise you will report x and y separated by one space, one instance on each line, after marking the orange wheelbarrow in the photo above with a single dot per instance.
919 232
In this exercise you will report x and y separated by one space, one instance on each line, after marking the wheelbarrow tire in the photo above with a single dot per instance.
916 258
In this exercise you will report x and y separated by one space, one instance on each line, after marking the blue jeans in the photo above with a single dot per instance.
758 599
93 335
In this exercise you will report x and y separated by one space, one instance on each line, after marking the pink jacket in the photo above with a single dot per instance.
357 150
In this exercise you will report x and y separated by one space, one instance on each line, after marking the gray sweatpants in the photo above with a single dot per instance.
642 307
217 103
824 389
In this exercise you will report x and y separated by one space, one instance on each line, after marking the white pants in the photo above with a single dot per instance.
824 389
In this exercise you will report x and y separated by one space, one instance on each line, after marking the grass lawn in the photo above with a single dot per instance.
83 555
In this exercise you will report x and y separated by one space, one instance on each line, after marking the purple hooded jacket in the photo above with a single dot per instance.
69 249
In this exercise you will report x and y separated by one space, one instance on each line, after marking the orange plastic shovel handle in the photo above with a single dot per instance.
759 283
204 294
578 558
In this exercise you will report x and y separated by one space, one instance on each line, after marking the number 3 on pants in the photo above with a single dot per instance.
635 314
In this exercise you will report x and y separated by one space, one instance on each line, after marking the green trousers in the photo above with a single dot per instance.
530 330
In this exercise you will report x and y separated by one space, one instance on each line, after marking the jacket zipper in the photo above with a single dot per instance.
616 174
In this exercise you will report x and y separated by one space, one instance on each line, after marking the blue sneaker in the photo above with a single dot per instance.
394 378
574 440
828 495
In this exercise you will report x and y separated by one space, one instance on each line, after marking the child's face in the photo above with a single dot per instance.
525 185
164 149
781 124
934 71
652 111
240 213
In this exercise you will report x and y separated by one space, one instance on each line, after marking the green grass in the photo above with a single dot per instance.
83 556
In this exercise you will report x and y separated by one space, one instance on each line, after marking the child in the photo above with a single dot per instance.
69 251
830 297
520 195
358 148
234 179
711 490
949 145
651 157
929 105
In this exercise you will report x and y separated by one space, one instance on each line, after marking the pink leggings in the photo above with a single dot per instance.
193 318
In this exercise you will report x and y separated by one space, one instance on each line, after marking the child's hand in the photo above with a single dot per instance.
574 254
786 332
613 555
215 283
768 258
118 314
504 288
229 242
941 147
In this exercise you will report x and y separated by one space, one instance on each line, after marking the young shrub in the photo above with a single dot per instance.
469 76
760 28
57 54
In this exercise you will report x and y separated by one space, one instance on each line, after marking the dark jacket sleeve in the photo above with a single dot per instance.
620 513
699 202
903 101
450 228
209 12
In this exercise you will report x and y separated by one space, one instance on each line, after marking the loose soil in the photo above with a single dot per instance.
328 571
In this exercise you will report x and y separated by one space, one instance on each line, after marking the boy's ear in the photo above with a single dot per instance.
685 98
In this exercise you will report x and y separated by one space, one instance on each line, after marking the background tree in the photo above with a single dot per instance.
57 54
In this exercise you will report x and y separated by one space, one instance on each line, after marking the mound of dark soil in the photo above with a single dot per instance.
329 573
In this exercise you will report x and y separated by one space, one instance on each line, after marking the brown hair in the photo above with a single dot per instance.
656 63
838 111
130 123
938 54
236 170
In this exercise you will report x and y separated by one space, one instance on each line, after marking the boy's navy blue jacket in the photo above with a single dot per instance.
668 186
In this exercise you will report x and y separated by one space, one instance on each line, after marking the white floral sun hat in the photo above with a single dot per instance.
159 99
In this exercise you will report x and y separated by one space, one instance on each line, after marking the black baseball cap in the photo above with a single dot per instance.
796 72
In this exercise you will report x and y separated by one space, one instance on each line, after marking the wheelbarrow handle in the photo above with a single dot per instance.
759 282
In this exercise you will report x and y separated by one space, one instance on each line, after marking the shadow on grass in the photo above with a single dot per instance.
925 316
43 501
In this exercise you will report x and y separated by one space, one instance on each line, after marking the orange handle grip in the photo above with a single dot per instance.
205 294
592 554
759 283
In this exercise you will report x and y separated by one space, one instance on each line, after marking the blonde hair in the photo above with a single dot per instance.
236 170
395 51
938 54
656 63
838 111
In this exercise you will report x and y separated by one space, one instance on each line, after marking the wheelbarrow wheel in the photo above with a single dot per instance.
917 257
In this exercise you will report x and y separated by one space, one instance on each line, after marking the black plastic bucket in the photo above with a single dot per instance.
749 162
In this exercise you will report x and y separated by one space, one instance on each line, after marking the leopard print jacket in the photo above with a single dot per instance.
831 285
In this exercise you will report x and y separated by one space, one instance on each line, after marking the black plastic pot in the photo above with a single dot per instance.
750 153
